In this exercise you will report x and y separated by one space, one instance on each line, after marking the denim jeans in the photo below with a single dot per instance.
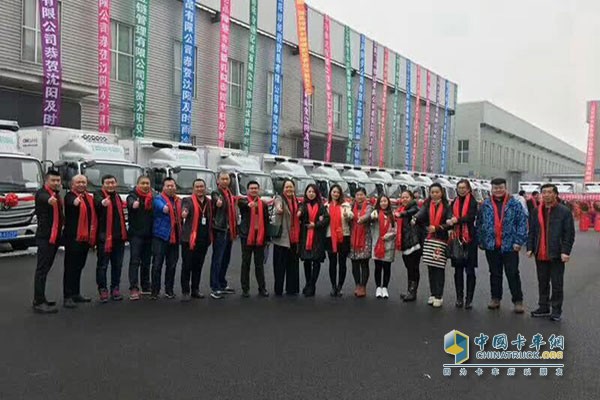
164 252
220 260
509 263
140 257
115 258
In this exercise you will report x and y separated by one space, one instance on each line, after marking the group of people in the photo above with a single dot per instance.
310 230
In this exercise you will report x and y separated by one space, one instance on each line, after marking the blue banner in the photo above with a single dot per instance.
408 141
444 151
361 102
277 79
187 70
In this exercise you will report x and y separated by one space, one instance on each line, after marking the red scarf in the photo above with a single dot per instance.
544 229
294 220
399 224
86 229
534 202
435 216
359 231
461 230
313 210
254 238
231 213
108 246
174 215
198 213
145 197
336 225
384 226
56 216
499 222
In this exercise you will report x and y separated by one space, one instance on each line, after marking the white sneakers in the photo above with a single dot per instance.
437 303
379 293
430 300
384 293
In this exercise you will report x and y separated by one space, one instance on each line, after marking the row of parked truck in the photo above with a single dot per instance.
26 153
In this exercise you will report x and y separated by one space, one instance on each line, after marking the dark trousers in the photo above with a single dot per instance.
140 258
259 265
45 258
437 279
115 258
75 257
286 269
385 268
551 273
193 261
509 263
312 269
360 272
412 262
337 276
220 260
166 253
459 280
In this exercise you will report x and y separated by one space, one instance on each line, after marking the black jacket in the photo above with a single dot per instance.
203 236
244 228
45 214
412 235
468 221
220 215
101 213
561 232
140 220
72 216
423 219
318 249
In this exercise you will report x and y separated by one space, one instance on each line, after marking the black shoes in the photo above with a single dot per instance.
245 294
197 295
185 298
468 304
541 313
228 290
263 293
555 316
459 303
310 291
412 292
216 295
81 299
44 308
69 303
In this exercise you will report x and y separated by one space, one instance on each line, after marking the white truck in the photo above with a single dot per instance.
357 178
281 168
20 177
325 176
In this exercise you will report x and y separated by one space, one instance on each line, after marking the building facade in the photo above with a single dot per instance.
21 76
490 142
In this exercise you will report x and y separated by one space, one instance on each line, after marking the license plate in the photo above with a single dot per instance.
7 235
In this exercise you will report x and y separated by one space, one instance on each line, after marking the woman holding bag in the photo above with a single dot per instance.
338 238
360 241
383 230
409 242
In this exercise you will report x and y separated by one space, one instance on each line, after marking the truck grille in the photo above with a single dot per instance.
17 216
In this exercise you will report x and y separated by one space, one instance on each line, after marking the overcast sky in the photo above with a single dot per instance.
539 59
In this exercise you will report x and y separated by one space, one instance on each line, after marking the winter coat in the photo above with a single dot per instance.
284 220
422 218
468 222
389 238
318 249
162 221
561 232
514 230
412 235
139 219
365 253
345 221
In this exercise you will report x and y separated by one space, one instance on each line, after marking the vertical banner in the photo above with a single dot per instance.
361 102
396 105
408 141
424 163
302 27
591 145
223 70
436 124
188 63
141 66
349 94
444 161
306 125
382 133
417 127
52 79
252 43
104 65
373 119
328 84
277 78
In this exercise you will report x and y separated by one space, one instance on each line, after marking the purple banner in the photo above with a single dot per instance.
49 26
306 126
373 122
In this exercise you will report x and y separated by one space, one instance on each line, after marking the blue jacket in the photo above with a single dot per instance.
514 226
162 222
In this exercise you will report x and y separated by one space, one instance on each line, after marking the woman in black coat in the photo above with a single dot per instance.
314 220
409 242
464 212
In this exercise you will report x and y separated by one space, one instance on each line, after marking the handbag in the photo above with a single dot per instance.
459 251
435 253
275 229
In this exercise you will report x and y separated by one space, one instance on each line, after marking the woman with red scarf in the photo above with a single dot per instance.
383 231
409 240
360 241
464 213
285 246
338 238
313 226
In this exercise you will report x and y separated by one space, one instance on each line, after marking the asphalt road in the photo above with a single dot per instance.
284 348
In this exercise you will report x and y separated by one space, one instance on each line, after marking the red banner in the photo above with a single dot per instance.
328 84
223 71
591 146
383 125
104 66
301 24
417 127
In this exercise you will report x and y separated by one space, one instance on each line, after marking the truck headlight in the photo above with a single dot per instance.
34 219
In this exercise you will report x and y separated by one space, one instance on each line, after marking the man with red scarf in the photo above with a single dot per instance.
166 235
551 238
49 212
112 235
533 202
79 236
253 236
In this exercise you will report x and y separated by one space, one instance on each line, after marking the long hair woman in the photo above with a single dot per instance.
383 231
409 242
360 241
313 227
338 238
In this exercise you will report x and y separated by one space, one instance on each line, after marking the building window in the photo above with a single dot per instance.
121 51
512 158
236 72
484 152
311 103
122 132
31 41
233 145
177 53
337 111
463 151
506 164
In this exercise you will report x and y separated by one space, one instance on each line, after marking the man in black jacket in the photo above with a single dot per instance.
140 218
533 202
49 211
551 238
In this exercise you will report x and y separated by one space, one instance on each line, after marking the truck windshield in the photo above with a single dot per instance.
592 188
20 175
265 182
344 185
186 177
301 185
126 175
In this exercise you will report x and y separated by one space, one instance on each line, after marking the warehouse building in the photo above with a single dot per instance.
21 76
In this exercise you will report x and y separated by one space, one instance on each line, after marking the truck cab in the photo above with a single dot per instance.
282 168
325 176
404 181
356 178
449 187
530 187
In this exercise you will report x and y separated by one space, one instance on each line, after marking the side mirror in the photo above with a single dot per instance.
176 170
47 165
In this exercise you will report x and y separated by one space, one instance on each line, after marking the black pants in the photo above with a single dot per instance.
75 257
164 252
337 276
459 280
312 269
259 265
140 258
551 273
412 262
385 268
360 272
286 269
437 279
509 262
191 267
115 258
45 258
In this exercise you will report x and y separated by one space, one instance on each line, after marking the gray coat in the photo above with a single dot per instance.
364 254
390 239
284 220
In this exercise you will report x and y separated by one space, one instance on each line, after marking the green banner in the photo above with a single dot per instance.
142 19
349 94
251 73
396 95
